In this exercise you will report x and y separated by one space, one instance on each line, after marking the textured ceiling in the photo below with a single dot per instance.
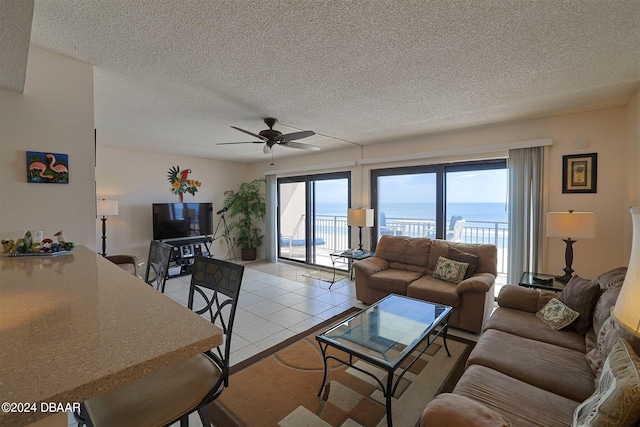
173 76
15 32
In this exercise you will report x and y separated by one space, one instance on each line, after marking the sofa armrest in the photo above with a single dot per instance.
478 283
452 410
523 299
371 265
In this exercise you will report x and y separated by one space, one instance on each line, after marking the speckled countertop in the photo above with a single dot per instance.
75 325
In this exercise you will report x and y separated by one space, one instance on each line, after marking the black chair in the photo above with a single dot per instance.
171 394
158 264
126 262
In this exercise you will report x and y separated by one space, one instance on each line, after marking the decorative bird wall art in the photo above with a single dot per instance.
47 167
180 183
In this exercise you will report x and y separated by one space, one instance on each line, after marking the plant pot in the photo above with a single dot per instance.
248 254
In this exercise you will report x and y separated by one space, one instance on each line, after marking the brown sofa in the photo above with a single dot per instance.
404 265
523 372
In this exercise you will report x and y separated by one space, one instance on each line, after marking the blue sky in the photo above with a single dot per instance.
489 186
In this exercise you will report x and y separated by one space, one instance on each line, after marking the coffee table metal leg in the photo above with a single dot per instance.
326 369
389 395
445 329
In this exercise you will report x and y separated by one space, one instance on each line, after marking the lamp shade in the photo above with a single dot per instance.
360 217
570 224
627 308
107 207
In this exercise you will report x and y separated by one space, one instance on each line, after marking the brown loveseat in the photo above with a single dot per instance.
523 372
404 265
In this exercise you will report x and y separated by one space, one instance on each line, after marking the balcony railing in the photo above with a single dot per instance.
333 230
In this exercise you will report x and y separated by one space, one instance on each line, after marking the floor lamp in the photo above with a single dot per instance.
106 208
360 218
626 309
570 225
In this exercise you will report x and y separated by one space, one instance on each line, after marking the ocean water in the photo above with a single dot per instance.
427 211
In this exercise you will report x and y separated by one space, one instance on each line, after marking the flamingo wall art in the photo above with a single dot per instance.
47 167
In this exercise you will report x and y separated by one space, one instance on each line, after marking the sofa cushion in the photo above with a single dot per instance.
431 289
602 309
487 253
451 410
616 401
404 252
461 256
581 295
556 369
450 270
608 336
520 298
438 248
522 403
393 281
557 315
524 324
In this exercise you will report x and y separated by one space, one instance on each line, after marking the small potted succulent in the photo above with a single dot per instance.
247 206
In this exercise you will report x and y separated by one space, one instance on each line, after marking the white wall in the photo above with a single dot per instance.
610 134
138 179
55 114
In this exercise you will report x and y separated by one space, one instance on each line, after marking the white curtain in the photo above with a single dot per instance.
270 232
525 211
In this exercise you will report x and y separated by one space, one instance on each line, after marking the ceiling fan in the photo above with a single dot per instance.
272 137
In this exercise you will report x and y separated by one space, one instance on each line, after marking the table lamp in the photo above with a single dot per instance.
106 207
360 218
570 225
626 310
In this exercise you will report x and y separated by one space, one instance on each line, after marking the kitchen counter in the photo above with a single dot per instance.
75 325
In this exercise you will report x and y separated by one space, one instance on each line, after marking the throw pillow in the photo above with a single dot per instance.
462 256
616 401
450 270
581 295
556 314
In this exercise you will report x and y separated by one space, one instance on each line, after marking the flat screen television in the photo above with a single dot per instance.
180 220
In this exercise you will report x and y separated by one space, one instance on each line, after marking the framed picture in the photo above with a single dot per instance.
47 167
580 173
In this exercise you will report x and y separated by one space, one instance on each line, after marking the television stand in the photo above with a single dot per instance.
183 252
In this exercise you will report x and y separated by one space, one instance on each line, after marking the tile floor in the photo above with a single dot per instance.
276 302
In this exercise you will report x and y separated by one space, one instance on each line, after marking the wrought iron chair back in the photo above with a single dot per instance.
158 264
217 282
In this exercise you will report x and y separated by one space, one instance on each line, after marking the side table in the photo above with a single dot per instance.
533 280
349 255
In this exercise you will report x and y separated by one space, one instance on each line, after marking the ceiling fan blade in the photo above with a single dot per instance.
244 142
292 144
298 135
261 138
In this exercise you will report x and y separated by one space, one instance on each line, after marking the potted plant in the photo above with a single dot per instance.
248 206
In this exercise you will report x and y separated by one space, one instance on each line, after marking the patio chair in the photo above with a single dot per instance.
385 229
458 228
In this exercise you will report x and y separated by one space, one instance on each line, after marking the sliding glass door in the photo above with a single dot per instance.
462 202
312 217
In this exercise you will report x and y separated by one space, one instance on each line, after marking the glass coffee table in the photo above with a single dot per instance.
385 335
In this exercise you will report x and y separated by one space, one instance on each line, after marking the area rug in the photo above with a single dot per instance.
279 387
326 276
